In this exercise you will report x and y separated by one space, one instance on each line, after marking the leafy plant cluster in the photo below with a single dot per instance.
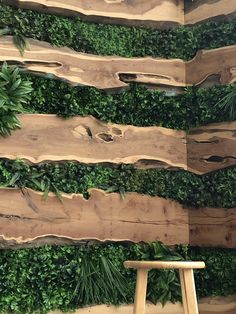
138 106
41 279
181 42
215 189
14 93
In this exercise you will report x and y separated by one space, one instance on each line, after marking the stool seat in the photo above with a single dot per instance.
186 279
164 264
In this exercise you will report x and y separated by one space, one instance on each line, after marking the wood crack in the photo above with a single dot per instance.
106 72
107 217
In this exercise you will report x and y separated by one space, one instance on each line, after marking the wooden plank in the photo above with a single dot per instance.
26 218
203 10
151 13
98 71
88 140
204 221
114 72
211 147
220 62
211 305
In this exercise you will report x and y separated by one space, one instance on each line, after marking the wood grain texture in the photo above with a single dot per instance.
98 71
152 13
88 140
211 147
114 72
204 10
211 305
26 218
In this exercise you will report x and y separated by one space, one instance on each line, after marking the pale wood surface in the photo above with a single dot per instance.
92 70
212 305
88 140
112 72
164 264
188 291
140 291
183 292
152 13
202 10
211 147
26 218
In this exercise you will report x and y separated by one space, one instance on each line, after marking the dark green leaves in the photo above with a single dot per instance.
42 279
14 93
215 189
137 106
227 104
104 39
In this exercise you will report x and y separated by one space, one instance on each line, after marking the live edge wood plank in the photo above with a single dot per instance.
114 72
211 147
88 140
25 217
92 70
204 10
152 13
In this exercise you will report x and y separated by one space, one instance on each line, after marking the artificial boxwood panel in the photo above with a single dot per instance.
138 106
181 42
216 189
41 279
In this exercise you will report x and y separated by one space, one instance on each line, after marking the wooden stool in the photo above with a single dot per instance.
186 279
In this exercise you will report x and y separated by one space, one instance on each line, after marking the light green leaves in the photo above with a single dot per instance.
228 103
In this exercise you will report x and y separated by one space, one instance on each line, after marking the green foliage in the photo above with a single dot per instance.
216 189
220 267
228 103
102 39
138 106
46 278
20 42
14 92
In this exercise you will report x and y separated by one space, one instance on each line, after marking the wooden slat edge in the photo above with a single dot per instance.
88 140
205 10
114 72
210 305
152 13
211 147
26 218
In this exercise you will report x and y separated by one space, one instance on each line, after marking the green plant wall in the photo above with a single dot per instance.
47 278
40 279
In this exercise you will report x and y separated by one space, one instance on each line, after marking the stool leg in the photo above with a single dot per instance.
140 291
188 291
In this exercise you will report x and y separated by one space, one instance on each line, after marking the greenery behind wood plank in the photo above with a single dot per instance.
101 39
216 189
47 278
